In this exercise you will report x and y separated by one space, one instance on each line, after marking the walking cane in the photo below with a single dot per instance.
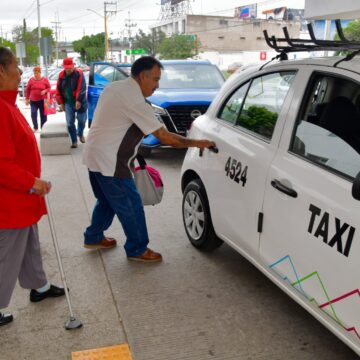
72 323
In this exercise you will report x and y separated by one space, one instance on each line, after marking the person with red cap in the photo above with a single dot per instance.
71 95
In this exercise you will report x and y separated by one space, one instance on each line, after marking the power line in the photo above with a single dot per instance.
28 9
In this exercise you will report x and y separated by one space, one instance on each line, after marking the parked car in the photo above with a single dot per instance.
282 186
25 77
186 91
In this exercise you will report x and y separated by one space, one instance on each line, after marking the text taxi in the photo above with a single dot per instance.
282 185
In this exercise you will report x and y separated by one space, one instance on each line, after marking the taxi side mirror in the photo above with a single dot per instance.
355 190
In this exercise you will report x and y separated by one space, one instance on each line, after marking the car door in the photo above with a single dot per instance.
246 132
101 74
311 230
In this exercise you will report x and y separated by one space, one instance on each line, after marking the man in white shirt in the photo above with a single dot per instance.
122 118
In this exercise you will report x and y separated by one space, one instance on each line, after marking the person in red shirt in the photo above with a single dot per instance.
36 90
22 192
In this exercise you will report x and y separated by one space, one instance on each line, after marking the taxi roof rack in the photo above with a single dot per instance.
313 44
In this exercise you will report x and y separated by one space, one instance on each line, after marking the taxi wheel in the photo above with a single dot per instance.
197 219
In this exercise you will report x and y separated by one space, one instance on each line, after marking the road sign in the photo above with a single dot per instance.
45 46
20 50
136 52
262 55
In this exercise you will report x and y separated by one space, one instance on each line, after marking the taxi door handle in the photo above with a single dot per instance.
281 187
213 149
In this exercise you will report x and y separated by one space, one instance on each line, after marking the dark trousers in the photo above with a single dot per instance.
35 106
117 197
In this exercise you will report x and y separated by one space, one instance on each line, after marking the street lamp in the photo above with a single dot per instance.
106 33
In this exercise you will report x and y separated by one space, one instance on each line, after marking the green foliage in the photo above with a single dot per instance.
149 42
31 40
178 47
259 119
8 44
352 33
91 48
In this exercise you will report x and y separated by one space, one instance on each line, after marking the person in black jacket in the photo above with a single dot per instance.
71 95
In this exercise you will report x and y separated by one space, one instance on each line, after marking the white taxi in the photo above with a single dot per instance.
282 185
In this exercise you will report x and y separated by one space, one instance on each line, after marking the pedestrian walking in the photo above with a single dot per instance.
22 193
71 95
122 118
36 90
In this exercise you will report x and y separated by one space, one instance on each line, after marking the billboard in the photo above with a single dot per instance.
246 11
173 2
284 13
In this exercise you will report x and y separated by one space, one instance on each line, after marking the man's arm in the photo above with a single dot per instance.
58 94
178 141
80 90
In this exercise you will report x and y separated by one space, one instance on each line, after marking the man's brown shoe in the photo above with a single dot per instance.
147 256
82 139
105 243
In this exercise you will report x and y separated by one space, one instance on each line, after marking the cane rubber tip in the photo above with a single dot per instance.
73 324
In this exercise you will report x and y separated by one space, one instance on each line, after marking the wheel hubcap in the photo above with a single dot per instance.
194 215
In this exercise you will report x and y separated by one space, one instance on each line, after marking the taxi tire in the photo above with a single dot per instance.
208 241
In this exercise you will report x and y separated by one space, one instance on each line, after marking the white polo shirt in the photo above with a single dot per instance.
121 119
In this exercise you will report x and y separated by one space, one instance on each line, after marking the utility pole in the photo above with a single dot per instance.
129 25
106 12
39 31
57 26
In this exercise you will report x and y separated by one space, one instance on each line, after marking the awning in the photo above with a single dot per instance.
332 9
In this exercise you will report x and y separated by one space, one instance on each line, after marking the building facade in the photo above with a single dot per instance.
227 34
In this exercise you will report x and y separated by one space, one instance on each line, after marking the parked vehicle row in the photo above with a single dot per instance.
185 92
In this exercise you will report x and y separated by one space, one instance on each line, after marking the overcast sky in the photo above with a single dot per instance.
76 21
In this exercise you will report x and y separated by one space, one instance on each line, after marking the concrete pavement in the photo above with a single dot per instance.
193 306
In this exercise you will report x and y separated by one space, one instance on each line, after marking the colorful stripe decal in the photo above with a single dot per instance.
321 306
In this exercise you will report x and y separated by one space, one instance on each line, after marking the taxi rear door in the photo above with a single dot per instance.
311 229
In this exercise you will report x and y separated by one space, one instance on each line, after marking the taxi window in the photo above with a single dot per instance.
231 110
327 132
264 101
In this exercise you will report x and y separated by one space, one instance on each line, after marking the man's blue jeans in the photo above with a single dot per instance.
70 112
120 197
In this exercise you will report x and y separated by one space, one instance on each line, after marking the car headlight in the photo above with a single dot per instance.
158 111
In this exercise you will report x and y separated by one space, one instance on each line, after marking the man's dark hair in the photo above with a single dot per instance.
6 56
144 63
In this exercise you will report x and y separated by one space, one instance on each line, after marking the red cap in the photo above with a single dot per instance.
68 63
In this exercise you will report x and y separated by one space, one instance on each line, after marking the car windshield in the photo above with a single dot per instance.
190 76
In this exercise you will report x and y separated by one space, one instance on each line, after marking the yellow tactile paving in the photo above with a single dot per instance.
117 352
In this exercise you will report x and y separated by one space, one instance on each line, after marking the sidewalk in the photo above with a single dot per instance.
38 329
155 308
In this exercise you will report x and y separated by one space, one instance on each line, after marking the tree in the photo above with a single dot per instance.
178 47
91 48
352 31
149 42
7 43
31 40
